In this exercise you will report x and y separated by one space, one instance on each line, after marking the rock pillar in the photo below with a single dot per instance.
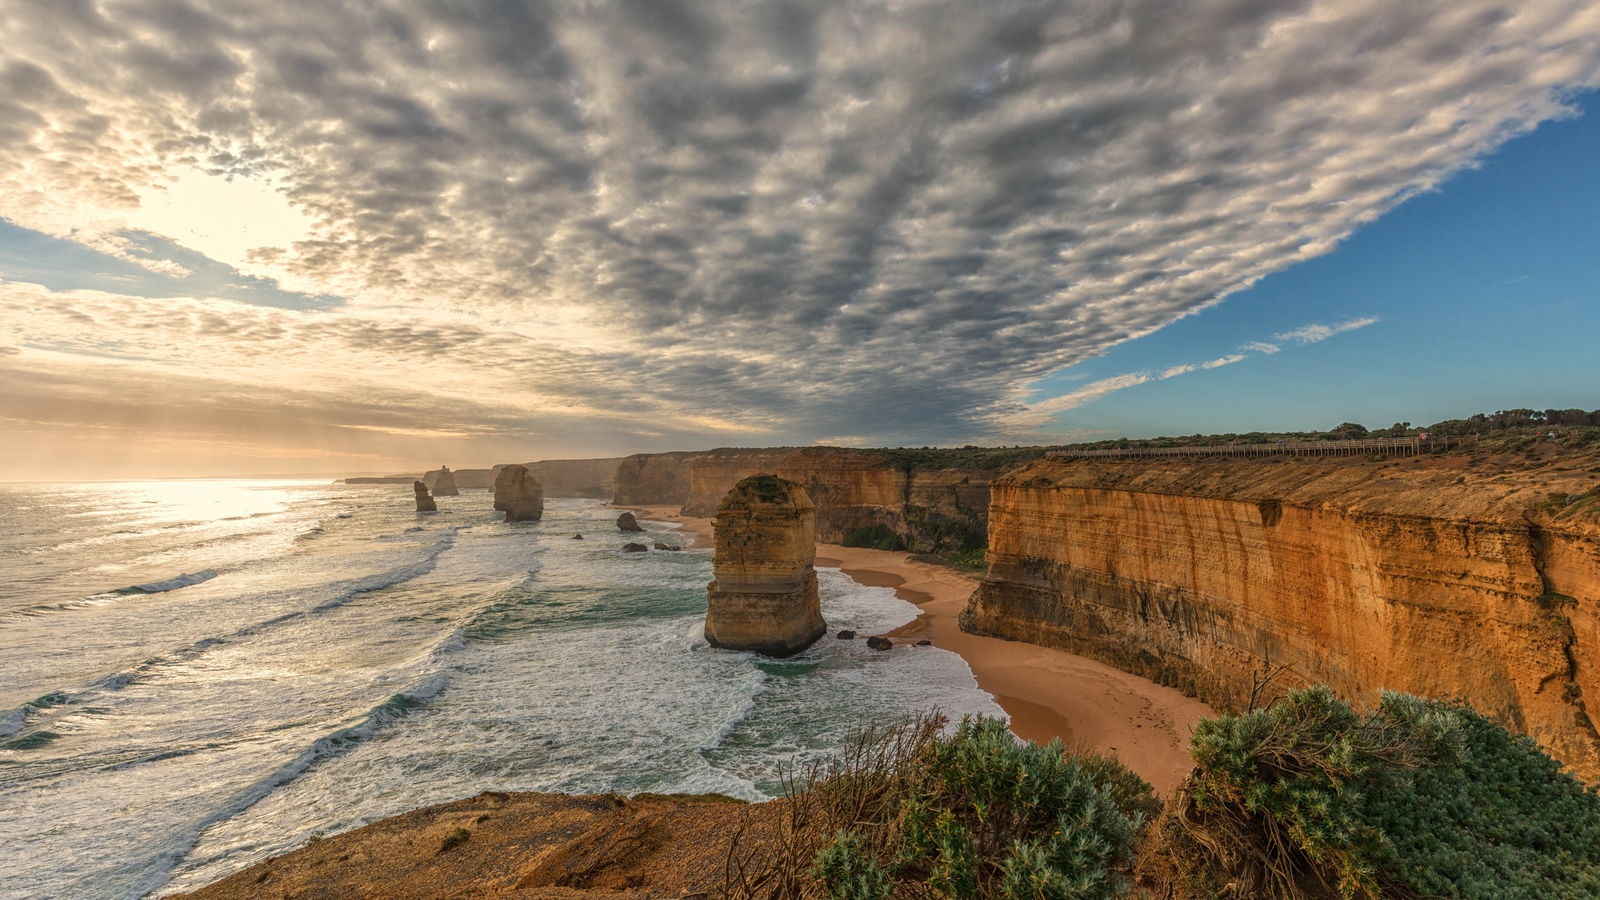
444 483
519 493
764 597
424 502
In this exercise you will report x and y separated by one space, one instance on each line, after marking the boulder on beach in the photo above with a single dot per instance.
877 642
627 522
847 635
634 548
519 493
924 643
424 500
764 598
661 546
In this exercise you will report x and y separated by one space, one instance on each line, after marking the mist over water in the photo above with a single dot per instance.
201 674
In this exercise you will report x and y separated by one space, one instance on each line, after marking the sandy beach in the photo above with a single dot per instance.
1048 693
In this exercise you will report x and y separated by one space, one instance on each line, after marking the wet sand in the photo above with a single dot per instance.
1047 693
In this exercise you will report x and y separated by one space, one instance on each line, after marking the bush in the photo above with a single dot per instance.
976 814
1412 798
876 537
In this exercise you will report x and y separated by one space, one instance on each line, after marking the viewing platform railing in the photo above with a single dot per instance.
1403 446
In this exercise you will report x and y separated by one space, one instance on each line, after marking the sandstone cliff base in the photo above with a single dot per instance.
516 846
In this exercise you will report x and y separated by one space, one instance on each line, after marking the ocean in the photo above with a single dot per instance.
195 675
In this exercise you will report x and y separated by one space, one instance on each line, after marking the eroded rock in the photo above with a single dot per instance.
764 598
424 501
626 522
878 642
443 481
634 548
519 493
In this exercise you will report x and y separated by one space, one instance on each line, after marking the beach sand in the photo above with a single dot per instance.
1048 693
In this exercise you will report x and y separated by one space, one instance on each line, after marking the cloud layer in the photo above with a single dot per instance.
785 220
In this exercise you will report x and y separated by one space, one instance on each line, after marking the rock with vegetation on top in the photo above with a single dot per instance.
627 522
424 500
764 598
519 493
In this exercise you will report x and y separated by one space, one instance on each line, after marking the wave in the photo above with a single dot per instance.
328 746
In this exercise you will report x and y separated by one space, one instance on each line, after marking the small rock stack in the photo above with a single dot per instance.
424 501
444 482
764 597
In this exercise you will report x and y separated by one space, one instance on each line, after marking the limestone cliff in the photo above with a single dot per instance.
1411 576
935 500
653 479
519 494
764 597
591 478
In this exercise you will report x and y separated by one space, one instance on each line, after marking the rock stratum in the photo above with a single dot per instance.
1414 575
764 598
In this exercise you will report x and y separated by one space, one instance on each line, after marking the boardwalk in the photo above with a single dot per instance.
1406 446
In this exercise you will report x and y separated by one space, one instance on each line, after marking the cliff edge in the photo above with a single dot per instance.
1416 575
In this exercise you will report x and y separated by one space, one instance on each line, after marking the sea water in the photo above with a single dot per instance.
195 675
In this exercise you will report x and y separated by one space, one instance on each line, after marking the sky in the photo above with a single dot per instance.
301 237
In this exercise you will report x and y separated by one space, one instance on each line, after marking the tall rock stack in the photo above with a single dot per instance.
764 597
424 502
519 493
444 483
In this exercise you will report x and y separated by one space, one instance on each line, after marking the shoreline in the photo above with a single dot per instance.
1047 693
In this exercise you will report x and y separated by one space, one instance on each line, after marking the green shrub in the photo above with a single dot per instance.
876 537
848 873
1412 798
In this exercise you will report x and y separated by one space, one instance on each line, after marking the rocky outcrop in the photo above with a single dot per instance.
474 479
627 522
653 479
1409 576
519 494
424 501
442 482
764 597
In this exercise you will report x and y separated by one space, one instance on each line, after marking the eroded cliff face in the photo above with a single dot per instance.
592 478
933 508
1402 575
653 479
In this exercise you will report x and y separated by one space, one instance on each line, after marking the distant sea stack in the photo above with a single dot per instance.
424 502
626 522
519 494
764 597
443 482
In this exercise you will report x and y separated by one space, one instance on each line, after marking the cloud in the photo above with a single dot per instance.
1261 347
1175 371
1311 334
799 218
1223 361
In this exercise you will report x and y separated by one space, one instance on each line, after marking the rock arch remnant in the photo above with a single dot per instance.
764 597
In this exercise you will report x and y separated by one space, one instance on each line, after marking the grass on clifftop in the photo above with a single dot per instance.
1306 799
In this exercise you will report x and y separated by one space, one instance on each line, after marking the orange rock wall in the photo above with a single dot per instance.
576 477
1362 576
653 479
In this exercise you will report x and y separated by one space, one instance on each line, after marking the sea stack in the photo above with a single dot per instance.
520 494
444 483
626 522
764 597
424 502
